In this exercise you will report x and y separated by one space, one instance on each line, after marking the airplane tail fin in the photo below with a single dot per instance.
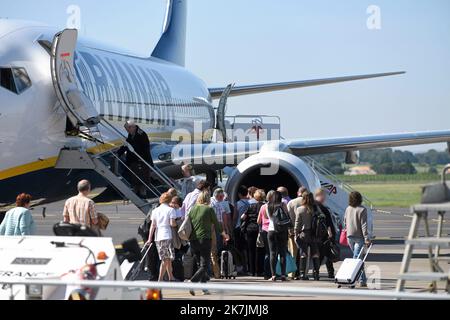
172 44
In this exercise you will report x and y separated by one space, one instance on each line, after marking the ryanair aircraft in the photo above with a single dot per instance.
59 93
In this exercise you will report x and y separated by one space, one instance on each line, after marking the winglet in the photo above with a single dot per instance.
171 46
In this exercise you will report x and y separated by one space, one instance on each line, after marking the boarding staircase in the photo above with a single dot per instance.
80 158
89 126
338 191
435 201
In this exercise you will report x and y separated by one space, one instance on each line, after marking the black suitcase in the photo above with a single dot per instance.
152 263
178 269
189 264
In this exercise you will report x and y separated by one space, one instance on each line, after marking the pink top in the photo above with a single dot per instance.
262 216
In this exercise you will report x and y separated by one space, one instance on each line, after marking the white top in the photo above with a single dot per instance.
187 185
189 201
271 226
161 218
221 208
178 212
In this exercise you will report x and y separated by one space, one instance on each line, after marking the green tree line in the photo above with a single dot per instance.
388 161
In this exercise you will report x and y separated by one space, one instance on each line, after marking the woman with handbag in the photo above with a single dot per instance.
202 218
304 235
163 219
250 228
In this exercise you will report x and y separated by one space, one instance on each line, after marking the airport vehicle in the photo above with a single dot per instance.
65 259
64 100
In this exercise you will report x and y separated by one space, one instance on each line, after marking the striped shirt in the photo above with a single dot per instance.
80 210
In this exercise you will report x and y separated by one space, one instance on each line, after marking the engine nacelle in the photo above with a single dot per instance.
269 170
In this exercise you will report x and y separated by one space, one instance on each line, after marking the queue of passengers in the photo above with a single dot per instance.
253 226
300 229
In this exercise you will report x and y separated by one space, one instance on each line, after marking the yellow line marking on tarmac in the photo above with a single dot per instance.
119 246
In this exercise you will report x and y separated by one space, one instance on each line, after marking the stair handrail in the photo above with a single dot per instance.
152 188
317 166
164 178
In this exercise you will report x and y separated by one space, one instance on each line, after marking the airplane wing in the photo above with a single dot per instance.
318 146
268 87
232 153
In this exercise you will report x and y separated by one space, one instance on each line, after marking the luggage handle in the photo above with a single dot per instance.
367 253
146 252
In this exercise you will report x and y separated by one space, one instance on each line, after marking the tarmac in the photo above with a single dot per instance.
391 226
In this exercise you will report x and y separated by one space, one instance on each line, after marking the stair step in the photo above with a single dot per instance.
424 276
426 242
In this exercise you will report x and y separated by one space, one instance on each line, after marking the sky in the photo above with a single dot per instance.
260 41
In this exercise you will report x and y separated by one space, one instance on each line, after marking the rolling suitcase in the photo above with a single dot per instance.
138 268
351 270
227 267
188 264
178 269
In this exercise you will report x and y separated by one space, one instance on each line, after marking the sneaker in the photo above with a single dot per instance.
363 285
206 293
192 292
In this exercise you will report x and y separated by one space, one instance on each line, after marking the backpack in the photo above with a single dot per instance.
319 229
281 220
250 224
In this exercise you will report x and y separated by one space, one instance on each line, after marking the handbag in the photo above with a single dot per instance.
103 221
259 241
176 241
185 229
334 252
291 266
343 238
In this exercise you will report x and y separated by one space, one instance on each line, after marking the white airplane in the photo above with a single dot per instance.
59 92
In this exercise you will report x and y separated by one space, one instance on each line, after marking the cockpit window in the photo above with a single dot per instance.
14 79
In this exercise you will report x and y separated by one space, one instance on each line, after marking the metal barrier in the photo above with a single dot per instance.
222 288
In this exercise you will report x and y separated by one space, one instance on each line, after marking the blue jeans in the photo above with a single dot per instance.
356 245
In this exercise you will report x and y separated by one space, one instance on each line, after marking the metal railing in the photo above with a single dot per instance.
248 289
334 178
161 175
149 186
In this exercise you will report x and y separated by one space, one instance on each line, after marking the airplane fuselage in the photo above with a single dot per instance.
159 96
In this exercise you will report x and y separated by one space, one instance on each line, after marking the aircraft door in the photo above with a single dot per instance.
77 105
221 112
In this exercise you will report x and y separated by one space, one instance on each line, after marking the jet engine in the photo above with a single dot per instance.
269 170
